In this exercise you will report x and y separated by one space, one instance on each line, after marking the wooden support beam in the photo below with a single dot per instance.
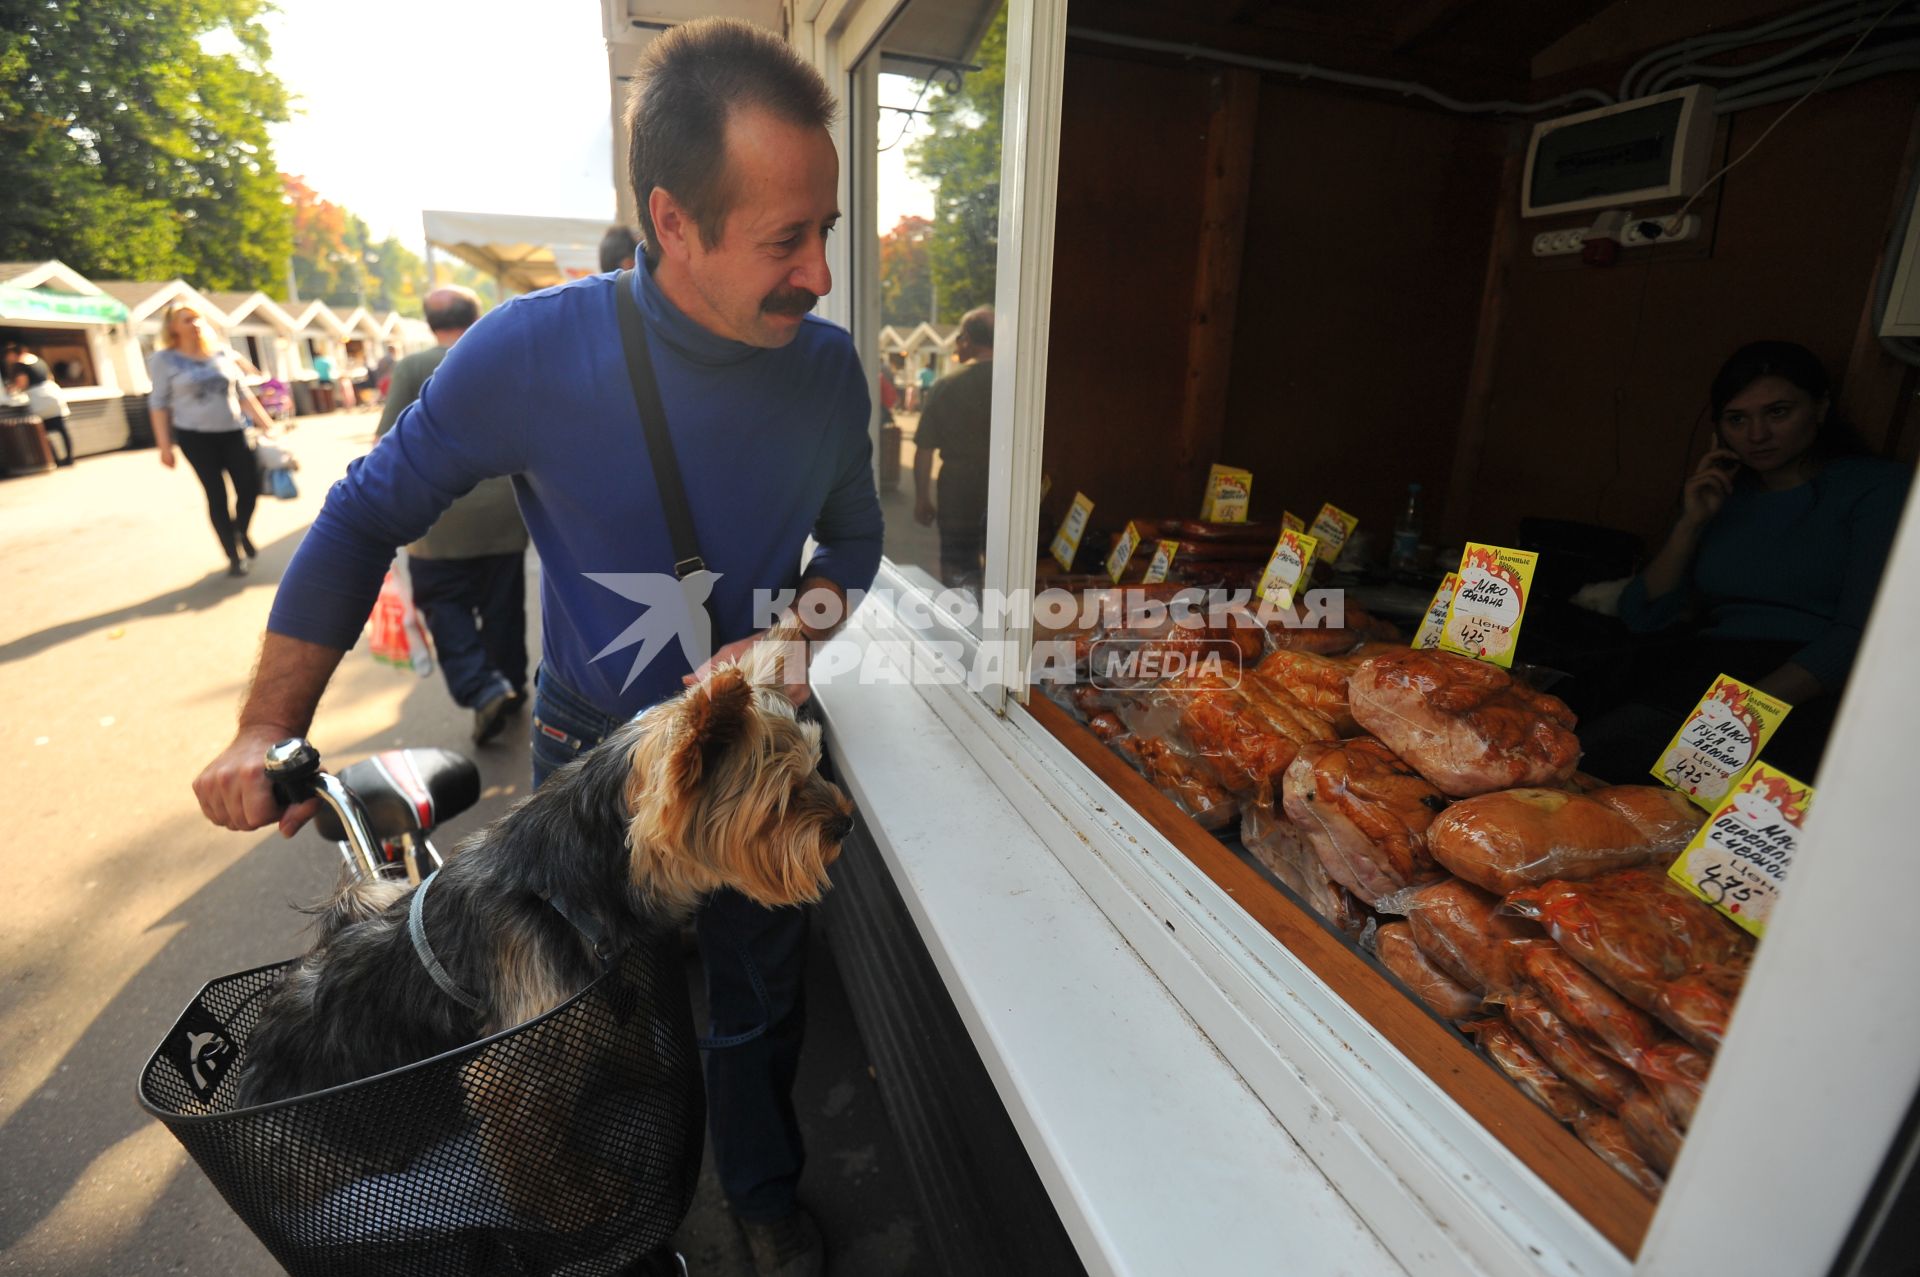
1231 123
1877 390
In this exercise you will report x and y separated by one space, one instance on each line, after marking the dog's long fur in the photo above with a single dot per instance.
718 787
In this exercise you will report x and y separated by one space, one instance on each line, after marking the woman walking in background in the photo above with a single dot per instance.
201 404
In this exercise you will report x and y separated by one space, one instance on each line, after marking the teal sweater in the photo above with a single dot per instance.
1800 565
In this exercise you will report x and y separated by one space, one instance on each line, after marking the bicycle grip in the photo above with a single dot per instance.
292 765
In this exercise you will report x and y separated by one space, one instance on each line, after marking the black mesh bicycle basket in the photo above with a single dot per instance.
567 1145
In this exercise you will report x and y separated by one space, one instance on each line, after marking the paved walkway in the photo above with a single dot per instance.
124 649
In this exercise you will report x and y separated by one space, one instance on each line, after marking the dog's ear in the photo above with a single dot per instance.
715 715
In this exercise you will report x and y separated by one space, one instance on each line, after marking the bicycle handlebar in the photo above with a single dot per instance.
293 769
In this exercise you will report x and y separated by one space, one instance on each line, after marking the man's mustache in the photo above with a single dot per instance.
790 301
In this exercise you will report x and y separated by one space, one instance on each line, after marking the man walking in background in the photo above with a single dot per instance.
469 572
956 422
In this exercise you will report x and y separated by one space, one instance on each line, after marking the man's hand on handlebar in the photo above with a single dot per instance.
233 789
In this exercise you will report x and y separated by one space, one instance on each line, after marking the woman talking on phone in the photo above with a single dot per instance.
1784 529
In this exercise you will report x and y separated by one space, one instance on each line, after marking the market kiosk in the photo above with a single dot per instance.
1298 245
83 333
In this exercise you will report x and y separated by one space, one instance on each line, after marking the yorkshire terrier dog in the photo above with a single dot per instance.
718 787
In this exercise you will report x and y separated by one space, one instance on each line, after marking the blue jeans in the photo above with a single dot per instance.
476 610
756 1136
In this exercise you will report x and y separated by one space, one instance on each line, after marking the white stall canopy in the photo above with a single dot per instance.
522 253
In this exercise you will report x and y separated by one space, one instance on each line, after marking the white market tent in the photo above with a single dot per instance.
522 253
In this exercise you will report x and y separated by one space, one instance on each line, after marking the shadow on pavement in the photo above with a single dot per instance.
209 591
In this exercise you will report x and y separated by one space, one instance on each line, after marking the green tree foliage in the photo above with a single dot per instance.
133 140
335 258
961 159
906 280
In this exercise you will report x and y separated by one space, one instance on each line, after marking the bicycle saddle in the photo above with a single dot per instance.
406 791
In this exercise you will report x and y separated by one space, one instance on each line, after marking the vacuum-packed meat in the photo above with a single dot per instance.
1676 1074
1366 813
1248 733
1608 1138
1280 846
1606 1082
1636 929
1399 953
1318 682
1188 783
1697 1004
1465 725
1585 1002
1653 1133
1507 840
1664 819
1458 926
1533 1075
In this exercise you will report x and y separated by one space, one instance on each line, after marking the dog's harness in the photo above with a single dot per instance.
585 923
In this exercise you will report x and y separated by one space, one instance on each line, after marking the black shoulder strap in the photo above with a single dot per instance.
653 421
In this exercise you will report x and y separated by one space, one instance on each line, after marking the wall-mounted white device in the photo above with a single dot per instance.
1637 152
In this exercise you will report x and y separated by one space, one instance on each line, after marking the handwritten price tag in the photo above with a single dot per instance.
1331 528
1228 493
1285 568
1123 553
1161 563
1428 636
1719 740
1066 542
1483 621
1738 862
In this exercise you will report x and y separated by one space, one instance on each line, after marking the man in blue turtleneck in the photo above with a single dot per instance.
736 177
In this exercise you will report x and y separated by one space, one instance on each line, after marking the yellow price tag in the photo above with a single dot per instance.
1123 552
1286 568
1427 637
1483 621
1720 740
1229 491
1738 862
1331 528
1066 542
1161 563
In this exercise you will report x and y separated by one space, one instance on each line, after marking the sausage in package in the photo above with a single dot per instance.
1517 837
1459 927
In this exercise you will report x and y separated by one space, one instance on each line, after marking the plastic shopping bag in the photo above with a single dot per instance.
396 635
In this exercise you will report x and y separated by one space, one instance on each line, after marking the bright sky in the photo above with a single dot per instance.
493 106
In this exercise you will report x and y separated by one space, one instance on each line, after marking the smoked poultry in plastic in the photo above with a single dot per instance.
1465 725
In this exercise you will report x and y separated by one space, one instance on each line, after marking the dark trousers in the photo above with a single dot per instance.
58 426
750 1114
216 456
476 610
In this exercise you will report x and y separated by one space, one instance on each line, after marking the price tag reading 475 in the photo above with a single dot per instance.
1738 861
1484 619
1719 740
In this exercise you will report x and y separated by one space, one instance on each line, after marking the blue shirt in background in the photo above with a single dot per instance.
1800 565
772 445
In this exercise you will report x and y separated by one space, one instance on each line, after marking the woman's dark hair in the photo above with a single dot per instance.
688 82
1794 363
